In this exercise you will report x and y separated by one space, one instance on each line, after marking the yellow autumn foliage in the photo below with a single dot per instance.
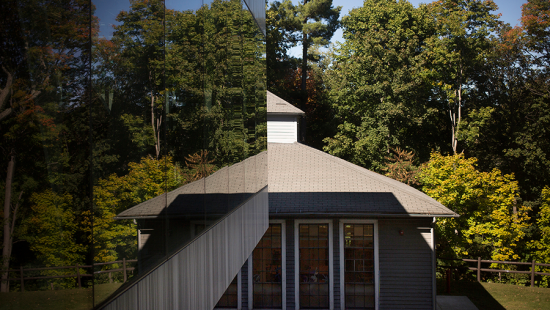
491 223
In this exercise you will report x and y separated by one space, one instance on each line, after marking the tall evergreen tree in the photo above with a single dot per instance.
310 23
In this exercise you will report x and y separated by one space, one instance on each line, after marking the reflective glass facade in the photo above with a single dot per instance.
112 106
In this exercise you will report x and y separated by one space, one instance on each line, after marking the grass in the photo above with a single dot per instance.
497 296
77 299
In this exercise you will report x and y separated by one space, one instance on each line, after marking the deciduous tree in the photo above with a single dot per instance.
456 52
378 88
116 239
491 223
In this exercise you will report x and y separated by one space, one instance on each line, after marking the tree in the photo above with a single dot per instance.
279 39
535 22
541 247
507 124
41 59
400 167
200 165
217 87
377 85
457 50
311 23
116 239
491 222
139 40
51 233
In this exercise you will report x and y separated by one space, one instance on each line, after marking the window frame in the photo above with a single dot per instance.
376 260
283 267
297 259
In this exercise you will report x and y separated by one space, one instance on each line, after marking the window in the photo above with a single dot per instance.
231 298
314 278
359 264
269 269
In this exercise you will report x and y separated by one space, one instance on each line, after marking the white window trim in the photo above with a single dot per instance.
283 267
297 259
376 262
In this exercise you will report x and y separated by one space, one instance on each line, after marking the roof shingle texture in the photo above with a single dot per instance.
305 180
276 105
218 193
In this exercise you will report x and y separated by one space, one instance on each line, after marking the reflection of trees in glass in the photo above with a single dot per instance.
213 57
202 73
42 57
130 66
200 165
116 239
190 80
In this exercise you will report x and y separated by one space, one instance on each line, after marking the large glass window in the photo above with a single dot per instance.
314 266
112 106
268 270
359 265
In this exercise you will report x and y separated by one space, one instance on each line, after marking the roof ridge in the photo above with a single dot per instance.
384 179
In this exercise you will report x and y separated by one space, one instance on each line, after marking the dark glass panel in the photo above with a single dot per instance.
314 280
359 266
267 284
123 109
46 121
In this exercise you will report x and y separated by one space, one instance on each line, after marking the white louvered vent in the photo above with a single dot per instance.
282 128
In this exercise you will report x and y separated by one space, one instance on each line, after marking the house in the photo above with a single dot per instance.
339 236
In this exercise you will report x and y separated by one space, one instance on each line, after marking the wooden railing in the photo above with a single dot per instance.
76 275
478 268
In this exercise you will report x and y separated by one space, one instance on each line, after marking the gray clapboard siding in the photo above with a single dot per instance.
405 264
198 275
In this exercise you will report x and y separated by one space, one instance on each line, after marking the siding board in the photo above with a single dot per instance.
405 265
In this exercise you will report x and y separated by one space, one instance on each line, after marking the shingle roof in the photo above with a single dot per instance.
276 105
218 193
305 180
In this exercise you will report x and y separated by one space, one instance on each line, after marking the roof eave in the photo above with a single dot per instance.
403 215
286 113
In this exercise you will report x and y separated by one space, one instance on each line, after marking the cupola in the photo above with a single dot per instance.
282 120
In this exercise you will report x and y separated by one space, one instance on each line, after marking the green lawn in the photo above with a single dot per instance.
496 296
77 299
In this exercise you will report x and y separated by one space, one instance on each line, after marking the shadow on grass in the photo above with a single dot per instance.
473 290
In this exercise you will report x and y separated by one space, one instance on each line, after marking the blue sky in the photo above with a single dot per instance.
107 10
510 10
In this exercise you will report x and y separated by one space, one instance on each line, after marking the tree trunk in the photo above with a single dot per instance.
155 129
6 251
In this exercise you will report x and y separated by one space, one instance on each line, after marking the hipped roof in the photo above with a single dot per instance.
218 193
303 180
